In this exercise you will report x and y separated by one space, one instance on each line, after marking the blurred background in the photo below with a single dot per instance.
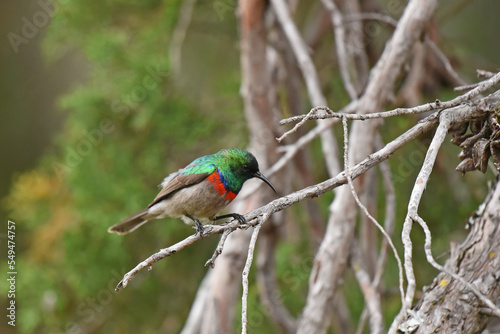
102 99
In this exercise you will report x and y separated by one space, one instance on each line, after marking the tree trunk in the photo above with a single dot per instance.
214 310
331 259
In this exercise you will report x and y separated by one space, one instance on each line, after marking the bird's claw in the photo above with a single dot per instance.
241 219
199 228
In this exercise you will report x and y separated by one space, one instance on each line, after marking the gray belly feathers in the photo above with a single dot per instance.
201 201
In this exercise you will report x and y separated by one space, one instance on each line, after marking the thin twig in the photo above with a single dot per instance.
244 276
431 106
370 293
219 248
390 215
320 127
339 32
465 88
382 230
372 16
362 321
308 116
311 78
445 120
288 200
155 258
415 197
486 74
444 60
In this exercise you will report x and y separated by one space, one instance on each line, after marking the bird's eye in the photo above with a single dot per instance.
245 167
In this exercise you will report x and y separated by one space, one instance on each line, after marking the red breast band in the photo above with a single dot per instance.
216 182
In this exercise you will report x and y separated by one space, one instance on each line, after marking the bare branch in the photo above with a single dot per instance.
165 252
288 200
480 73
220 247
375 323
245 273
372 16
300 50
193 324
339 31
362 321
448 306
370 293
390 215
304 119
306 65
446 119
486 74
415 197
447 65
431 106
320 127
465 88
328 265
270 295
372 298
434 48
462 113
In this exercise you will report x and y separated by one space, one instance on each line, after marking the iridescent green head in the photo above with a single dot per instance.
238 166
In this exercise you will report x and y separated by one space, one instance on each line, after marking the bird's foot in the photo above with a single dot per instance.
198 226
236 216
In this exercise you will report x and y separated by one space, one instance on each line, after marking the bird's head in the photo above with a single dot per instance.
243 165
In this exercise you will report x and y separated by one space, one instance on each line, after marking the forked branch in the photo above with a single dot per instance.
464 112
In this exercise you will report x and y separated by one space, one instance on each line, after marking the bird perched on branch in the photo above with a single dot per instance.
199 191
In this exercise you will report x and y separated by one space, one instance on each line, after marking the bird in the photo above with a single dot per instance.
199 191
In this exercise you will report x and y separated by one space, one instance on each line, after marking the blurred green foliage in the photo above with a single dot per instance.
126 128
131 124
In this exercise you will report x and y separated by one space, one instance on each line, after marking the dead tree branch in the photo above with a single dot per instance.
448 305
463 113
446 119
310 75
245 273
330 260
476 90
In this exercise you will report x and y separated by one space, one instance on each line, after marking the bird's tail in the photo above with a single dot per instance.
130 224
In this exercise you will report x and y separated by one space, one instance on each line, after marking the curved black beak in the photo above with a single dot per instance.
263 178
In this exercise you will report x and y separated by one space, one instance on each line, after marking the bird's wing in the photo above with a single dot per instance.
178 181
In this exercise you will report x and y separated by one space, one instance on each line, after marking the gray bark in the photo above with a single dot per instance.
447 306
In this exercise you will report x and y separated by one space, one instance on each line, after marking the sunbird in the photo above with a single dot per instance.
198 192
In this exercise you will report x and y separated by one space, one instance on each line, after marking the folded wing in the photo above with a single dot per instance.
178 182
